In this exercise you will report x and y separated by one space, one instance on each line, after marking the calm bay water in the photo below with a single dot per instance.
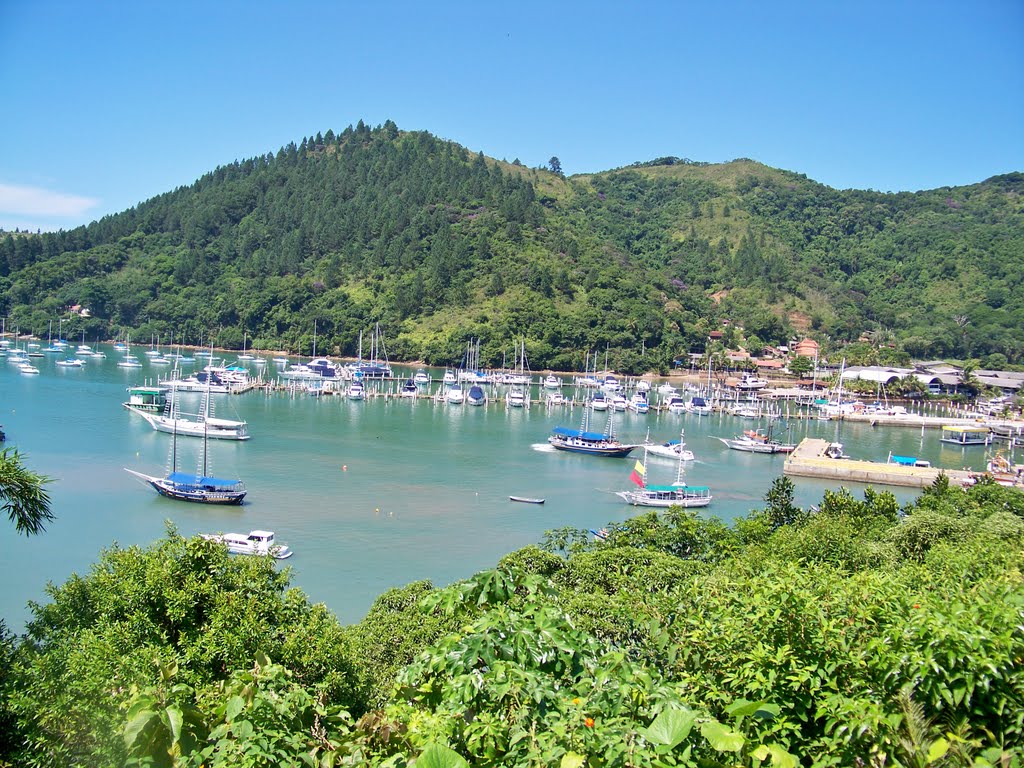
370 495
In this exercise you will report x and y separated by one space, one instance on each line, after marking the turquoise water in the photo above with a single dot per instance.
370 495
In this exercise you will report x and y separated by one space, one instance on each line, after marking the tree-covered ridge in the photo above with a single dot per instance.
439 245
939 269
854 633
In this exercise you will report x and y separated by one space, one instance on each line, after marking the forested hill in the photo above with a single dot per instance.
439 245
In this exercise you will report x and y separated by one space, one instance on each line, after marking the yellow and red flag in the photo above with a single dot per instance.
638 474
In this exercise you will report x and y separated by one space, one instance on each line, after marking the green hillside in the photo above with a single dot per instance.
438 245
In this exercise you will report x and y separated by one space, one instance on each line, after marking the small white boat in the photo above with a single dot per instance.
476 395
28 368
356 391
525 500
555 398
638 402
422 378
455 395
698 406
253 543
744 412
673 449
675 404
552 382
71 362
409 389
756 441
515 398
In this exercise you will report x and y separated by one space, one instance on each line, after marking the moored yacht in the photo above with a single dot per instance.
253 543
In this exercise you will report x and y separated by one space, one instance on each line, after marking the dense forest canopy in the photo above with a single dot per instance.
439 245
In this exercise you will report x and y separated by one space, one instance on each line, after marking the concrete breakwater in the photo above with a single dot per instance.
810 460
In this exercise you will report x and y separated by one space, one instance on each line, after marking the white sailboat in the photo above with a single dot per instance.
679 494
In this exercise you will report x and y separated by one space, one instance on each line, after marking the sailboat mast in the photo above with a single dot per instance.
206 416
679 465
174 431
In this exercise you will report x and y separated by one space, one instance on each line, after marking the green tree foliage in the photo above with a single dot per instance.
23 494
379 225
856 632
184 603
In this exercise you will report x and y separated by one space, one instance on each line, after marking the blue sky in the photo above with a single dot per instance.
107 104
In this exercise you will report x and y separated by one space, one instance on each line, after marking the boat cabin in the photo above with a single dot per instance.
147 398
960 435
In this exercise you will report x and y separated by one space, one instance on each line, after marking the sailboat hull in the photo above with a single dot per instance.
196 495
613 451
202 491
663 497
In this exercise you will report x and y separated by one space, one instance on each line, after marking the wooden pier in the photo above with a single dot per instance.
809 460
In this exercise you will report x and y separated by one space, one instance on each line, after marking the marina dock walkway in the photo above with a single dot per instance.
809 460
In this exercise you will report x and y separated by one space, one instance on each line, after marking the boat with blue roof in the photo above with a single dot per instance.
582 440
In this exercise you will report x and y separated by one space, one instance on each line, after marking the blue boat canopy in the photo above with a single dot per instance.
183 478
699 401
566 432
906 461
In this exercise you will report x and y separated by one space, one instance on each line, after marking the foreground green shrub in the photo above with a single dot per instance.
182 602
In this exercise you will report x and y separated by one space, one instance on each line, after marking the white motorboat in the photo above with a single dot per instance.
673 449
515 398
206 427
253 543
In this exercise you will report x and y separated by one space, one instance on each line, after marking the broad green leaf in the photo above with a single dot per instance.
136 725
670 727
573 760
742 708
174 719
440 756
235 705
721 738
781 758
937 750
242 729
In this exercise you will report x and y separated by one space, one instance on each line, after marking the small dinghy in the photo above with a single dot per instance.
525 500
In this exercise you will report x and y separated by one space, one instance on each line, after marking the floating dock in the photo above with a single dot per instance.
809 460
